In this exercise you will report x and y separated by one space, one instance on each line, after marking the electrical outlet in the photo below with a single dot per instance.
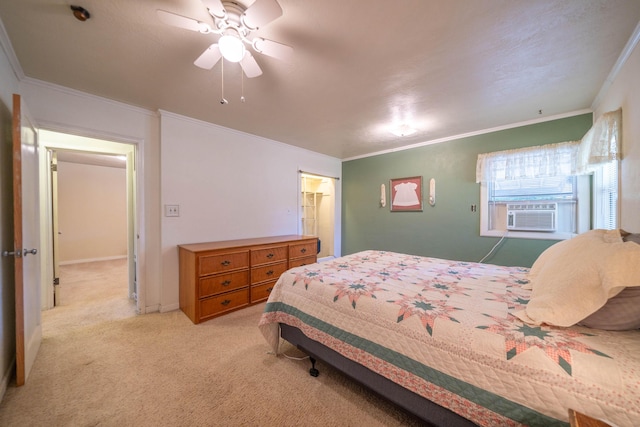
171 210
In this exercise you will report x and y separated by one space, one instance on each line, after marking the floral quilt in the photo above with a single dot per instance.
445 330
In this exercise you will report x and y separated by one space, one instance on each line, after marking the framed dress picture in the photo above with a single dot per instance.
406 194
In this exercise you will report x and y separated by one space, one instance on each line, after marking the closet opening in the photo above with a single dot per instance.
317 211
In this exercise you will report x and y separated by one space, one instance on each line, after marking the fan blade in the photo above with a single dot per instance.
250 66
183 22
274 49
215 8
209 57
260 13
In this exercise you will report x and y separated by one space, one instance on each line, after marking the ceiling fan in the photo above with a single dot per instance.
234 23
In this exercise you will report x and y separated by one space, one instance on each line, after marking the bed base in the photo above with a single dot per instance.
411 402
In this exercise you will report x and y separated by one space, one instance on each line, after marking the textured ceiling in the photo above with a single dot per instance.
449 67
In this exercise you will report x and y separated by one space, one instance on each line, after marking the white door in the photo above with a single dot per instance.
26 240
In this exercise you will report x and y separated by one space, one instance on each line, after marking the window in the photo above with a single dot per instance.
542 208
605 195
545 192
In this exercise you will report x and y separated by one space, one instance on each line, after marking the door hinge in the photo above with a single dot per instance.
56 281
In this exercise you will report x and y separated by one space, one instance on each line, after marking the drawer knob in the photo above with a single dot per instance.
270 256
269 290
226 283
269 273
225 262
303 250
226 302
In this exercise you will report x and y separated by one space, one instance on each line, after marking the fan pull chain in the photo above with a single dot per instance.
242 99
223 100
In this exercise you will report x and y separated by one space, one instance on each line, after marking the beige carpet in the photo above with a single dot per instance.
101 365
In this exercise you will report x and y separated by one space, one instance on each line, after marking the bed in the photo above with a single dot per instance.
463 343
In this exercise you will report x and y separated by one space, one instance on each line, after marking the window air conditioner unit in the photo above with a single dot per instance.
532 216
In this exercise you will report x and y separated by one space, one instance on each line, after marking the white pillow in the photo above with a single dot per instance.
574 278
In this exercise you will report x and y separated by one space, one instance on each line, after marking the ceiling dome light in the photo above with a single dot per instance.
231 48
403 130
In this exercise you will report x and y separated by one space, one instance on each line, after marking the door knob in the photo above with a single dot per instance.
29 251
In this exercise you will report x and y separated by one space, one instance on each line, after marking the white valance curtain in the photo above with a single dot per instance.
599 145
530 162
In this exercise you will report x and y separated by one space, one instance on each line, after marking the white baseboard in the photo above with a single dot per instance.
169 307
151 309
80 261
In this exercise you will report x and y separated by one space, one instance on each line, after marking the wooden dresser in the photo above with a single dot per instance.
219 277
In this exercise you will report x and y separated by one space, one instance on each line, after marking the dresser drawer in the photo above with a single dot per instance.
218 263
268 255
224 302
303 250
267 272
262 292
223 283
302 261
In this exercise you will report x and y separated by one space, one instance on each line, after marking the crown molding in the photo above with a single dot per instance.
474 133
617 67
80 94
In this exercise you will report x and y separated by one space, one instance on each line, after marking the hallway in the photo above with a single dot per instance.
89 293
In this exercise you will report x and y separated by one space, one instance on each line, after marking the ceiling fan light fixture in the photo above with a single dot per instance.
231 48
234 22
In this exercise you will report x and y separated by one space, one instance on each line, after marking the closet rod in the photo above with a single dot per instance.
320 175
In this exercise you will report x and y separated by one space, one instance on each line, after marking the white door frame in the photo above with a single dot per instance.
70 139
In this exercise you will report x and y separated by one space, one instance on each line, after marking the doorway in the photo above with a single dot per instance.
95 161
317 211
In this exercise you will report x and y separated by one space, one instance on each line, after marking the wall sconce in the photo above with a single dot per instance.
383 196
432 192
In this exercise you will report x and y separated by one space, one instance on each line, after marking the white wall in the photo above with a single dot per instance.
625 92
92 212
229 185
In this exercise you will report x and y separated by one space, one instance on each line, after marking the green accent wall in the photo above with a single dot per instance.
449 229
